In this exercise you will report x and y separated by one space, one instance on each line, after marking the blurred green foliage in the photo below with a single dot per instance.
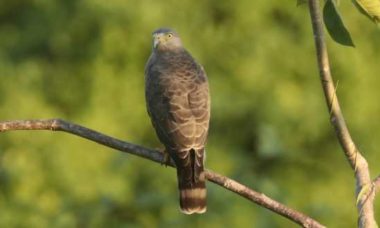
84 60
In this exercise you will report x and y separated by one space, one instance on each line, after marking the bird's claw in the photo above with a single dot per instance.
165 158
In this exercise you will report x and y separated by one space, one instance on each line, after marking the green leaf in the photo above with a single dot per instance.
335 26
370 8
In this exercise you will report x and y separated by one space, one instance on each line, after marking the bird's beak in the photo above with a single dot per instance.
156 40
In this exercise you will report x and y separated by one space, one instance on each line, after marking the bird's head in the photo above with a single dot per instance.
166 39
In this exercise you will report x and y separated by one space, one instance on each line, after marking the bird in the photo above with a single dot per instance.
178 103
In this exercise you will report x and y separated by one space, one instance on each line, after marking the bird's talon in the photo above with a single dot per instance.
165 159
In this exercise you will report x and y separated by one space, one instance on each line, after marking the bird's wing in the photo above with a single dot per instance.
189 110
179 106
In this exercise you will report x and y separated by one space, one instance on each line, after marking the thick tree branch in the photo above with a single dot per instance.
364 187
156 156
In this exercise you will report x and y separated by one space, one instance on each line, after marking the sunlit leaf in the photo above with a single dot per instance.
335 25
370 8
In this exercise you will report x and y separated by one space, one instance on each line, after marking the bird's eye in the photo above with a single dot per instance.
170 35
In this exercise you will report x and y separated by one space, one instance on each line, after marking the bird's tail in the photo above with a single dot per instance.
191 183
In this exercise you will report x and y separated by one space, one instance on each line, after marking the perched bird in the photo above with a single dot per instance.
178 103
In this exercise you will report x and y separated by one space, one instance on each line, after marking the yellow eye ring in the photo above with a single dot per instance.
170 35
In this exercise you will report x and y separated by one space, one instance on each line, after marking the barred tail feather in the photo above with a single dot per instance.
191 181
193 200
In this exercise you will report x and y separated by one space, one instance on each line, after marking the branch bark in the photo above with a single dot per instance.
156 156
365 193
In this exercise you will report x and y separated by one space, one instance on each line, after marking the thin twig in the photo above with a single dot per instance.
356 160
156 156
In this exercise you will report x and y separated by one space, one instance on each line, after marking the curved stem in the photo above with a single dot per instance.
364 189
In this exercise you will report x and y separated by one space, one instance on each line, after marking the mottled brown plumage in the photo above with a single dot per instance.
178 103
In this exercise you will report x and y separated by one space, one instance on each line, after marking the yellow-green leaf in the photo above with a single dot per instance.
371 8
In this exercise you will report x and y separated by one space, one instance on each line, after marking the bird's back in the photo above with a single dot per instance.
177 90
178 103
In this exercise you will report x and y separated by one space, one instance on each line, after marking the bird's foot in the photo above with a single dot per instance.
165 158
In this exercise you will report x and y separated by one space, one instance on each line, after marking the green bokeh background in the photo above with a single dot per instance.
84 60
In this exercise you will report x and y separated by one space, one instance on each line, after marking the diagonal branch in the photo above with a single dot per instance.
156 156
364 187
